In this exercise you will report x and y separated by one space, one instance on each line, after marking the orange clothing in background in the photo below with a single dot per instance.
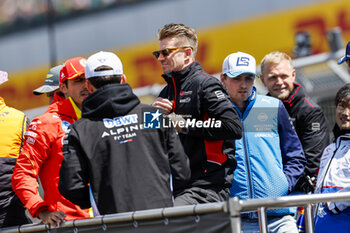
13 123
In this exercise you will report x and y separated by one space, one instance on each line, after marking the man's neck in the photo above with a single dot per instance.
240 105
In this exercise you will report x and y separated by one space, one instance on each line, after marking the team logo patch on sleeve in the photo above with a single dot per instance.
219 94
31 140
315 126
65 125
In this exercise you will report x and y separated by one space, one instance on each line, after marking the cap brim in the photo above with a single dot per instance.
341 60
44 89
235 74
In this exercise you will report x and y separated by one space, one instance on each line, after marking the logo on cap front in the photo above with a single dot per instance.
102 60
82 62
242 61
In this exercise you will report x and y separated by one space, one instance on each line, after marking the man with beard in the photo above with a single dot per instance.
41 155
278 75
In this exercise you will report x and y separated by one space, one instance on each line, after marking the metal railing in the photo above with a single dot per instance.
234 207
134 217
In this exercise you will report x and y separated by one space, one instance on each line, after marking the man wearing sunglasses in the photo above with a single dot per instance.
197 97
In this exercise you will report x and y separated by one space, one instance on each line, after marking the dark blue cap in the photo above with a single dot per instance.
347 54
51 81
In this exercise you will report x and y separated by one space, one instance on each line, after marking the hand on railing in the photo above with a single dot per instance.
54 218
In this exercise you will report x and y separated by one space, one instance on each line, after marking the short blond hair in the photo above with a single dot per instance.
274 58
186 36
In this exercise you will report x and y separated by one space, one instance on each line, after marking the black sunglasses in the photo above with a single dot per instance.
166 52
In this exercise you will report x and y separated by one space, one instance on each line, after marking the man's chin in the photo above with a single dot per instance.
166 71
283 96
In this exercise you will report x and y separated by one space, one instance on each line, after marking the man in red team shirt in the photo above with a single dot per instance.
41 155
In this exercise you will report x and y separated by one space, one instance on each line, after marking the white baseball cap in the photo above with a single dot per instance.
103 59
239 63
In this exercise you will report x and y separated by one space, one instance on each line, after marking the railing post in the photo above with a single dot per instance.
262 220
309 224
235 215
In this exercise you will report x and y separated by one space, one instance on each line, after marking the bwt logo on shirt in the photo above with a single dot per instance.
152 120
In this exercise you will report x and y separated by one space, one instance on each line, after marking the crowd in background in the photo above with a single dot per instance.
20 14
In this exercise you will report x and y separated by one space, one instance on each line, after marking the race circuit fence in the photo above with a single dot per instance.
220 217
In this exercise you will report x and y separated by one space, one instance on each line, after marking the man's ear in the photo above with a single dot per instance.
189 55
222 78
123 80
293 75
89 86
262 79
63 88
189 52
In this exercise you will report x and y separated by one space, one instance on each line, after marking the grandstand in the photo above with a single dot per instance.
35 34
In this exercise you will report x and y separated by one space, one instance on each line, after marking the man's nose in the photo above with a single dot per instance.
244 83
346 111
161 57
279 80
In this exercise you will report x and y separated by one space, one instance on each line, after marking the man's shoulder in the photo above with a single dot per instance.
13 111
47 122
47 118
306 105
200 75
141 108
205 81
47 126
302 100
81 124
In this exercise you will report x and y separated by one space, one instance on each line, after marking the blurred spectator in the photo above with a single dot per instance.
27 11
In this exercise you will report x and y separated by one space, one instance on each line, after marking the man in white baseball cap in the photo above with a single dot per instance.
269 145
110 140
103 68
